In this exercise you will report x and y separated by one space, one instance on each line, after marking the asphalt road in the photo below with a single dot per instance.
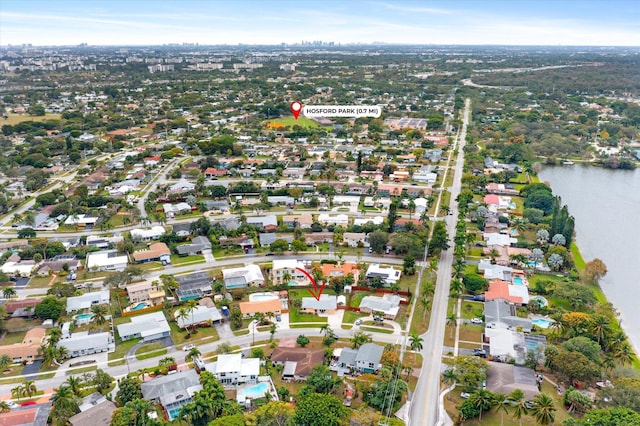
425 405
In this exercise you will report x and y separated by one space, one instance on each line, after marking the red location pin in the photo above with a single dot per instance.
296 107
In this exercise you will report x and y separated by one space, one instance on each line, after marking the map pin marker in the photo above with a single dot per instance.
296 107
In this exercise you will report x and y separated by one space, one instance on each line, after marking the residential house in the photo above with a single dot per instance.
14 265
330 270
496 202
245 276
197 245
98 414
56 264
199 315
494 271
496 239
249 309
318 238
28 349
327 219
243 242
501 189
389 275
152 161
83 343
182 229
12 306
106 260
103 242
149 327
365 359
182 186
139 235
155 252
387 305
281 200
500 313
327 304
267 239
172 209
232 369
194 286
220 206
267 223
172 391
502 254
213 173
361 221
514 294
145 292
81 220
297 362
303 221
355 239
87 300
401 224
288 270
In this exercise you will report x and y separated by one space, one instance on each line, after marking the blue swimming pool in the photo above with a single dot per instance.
262 296
542 300
139 306
542 322
256 391
84 317
518 281
173 413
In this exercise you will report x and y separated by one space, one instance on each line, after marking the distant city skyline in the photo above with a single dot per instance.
145 22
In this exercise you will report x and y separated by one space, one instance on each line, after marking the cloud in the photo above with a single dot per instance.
415 9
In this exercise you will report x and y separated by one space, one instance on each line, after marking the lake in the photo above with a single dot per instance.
606 206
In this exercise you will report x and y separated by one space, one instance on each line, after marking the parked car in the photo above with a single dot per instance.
476 321
12 404
480 352
278 318
465 395
378 319
188 347
358 322
528 404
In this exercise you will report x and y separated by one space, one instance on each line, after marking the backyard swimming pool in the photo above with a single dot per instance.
262 296
255 391
542 300
542 322
84 317
518 281
139 306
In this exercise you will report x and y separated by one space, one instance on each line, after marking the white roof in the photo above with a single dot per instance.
155 231
22 268
327 301
81 341
145 325
105 258
389 274
228 363
376 220
388 305
340 218
80 219
249 272
287 263
86 300
495 239
175 208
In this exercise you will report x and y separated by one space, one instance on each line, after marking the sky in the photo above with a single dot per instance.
472 22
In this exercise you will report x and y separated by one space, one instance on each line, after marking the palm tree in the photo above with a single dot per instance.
30 388
517 400
191 306
65 403
54 336
75 384
192 354
426 305
412 207
182 315
326 330
543 409
452 321
599 327
4 407
501 402
449 377
408 369
99 314
482 399
359 339
5 362
167 361
60 354
415 341
18 392
8 292
456 288
272 331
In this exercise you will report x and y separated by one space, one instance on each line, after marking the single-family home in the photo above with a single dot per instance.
266 239
83 343
494 271
389 275
514 294
365 359
87 300
303 221
497 239
155 232
245 276
210 173
172 391
103 242
14 265
330 270
199 315
327 304
249 309
231 369
388 305
155 252
56 264
149 327
29 349
297 362
318 238
194 286
500 313
181 229
145 292
106 260
355 239
182 186
361 221
171 210
327 219
152 161
267 223
94 413
288 270
81 220
198 245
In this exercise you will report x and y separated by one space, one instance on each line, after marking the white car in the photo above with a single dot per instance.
465 395
188 347
476 321
358 322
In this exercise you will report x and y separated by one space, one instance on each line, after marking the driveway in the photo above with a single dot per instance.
208 256
165 341
32 369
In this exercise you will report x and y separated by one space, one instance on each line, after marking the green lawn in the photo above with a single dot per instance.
13 119
296 316
150 351
204 335
122 349
12 338
350 316
178 260
39 282
376 330
577 256
471 310
291 121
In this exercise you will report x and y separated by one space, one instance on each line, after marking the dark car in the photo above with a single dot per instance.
480 352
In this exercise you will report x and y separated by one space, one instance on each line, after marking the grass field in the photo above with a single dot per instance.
150 351
18 118
291 121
